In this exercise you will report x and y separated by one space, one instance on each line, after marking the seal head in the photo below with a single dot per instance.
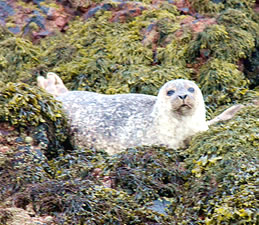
180 98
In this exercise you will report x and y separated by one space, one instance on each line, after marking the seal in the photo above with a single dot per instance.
116 122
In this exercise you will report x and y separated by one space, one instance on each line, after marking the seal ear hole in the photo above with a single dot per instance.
191 89
170 93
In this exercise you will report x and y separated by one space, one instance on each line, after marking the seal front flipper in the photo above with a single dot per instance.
226 115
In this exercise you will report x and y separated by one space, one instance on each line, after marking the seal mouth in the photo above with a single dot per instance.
184 109
185 106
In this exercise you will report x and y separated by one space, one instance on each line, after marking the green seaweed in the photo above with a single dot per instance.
221 83
230 44
17 54
210 7
26 106
224 164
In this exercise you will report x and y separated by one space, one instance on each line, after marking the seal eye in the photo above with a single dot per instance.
171 92
191 89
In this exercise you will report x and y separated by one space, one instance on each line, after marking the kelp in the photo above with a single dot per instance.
147 173
70 189
109 55
230 44
213 180
96 63
218 51
233 38
83 202
251 69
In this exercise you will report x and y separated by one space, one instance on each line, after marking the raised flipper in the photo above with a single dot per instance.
226 115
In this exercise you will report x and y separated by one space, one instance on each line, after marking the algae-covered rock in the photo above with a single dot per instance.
96 63
28 108
83 202
222 83
17 54
213 6
22 161
147 173
75 193
224 164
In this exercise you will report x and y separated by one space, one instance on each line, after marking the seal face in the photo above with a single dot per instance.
116 122
183 96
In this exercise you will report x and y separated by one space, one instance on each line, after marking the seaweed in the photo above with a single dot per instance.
210 7
230 44
224 164
98 64
25 106
17 54
83 202
147 173
221 82
22 163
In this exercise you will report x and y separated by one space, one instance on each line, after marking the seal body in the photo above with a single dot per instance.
116 122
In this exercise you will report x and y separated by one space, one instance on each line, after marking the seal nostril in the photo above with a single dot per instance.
182 96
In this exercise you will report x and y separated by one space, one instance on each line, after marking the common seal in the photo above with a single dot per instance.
116 122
